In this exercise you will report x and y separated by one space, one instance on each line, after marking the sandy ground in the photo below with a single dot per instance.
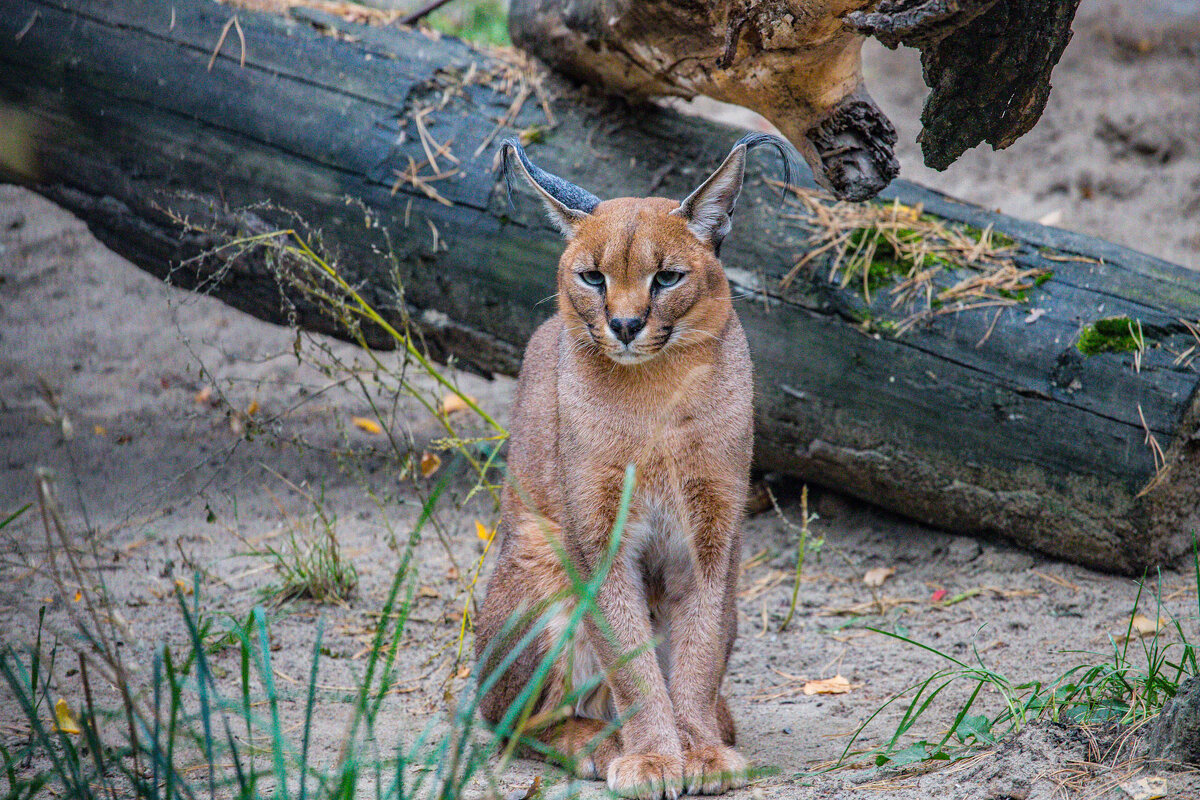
166 488
159 474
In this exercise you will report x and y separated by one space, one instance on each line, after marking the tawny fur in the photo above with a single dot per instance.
677 404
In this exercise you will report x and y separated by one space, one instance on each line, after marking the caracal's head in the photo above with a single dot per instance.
641 276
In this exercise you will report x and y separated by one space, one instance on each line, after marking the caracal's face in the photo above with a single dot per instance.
634 282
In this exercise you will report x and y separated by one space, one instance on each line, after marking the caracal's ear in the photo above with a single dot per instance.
566 203
708 209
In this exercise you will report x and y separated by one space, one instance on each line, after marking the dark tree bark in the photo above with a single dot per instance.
987 62
974 422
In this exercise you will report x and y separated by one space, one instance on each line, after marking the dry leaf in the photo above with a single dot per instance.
204 396
78 595
464 671
483 532
452 573
64 720
369 425
453 402
99 430
835 685
429 463
877 575
183 586
428 591
252 409
1142 627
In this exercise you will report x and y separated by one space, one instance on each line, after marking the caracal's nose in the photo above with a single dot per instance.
626 328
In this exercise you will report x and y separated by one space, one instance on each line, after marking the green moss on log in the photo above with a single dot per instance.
1111 335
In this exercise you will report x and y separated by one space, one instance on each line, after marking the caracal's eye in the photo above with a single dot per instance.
667 277
593 277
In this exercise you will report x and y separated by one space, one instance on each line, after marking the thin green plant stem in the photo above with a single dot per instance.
366 309
801 548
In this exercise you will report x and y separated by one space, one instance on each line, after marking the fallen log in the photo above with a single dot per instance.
1054 404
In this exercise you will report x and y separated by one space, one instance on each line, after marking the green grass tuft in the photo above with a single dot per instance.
1128 686
310 566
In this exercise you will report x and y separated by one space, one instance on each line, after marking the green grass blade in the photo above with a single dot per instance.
308 707
268 679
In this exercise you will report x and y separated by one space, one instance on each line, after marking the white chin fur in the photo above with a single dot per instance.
626 358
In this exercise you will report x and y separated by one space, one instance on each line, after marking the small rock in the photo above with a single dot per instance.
1175 735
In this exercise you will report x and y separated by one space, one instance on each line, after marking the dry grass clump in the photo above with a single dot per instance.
922 257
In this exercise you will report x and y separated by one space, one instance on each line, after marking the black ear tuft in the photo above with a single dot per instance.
565 192
709 209
782 146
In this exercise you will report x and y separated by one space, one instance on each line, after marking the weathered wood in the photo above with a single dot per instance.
793 61
1015 434
797 63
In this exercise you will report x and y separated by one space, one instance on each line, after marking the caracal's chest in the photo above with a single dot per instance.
670 425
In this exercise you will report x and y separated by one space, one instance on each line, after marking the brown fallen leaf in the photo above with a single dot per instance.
368 425
1142 627
204 396
454 402
429 463
428 591
464 671
252 409
835 685
877 575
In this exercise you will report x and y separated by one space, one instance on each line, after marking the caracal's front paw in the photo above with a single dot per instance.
713 769
646 776
593 762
